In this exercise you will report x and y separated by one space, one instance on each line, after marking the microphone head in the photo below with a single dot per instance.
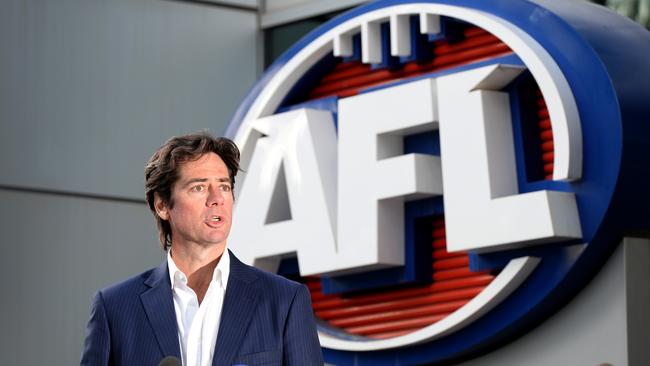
170 361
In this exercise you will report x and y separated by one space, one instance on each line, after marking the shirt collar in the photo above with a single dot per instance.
220 274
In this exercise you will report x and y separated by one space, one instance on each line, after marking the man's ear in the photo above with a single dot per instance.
161 207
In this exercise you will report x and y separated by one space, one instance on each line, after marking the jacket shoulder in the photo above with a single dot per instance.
275 279
266 281
128 288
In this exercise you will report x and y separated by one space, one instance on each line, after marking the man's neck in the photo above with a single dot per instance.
198 265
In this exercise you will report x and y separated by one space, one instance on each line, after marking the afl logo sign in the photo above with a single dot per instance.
443 173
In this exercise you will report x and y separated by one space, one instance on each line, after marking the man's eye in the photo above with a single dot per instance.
198 188
225 188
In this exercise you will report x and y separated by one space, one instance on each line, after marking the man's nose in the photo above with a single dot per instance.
215 197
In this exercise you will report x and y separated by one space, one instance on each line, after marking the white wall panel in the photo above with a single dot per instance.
89 88
56 252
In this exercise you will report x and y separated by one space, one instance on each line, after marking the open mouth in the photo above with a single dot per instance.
214 221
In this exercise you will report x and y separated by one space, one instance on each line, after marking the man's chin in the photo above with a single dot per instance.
219 241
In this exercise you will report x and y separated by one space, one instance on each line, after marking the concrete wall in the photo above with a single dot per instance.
88 90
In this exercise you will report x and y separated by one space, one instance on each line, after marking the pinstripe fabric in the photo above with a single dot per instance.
266 320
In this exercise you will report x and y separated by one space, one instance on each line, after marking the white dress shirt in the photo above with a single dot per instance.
198 325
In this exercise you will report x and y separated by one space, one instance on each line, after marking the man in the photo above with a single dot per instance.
201 305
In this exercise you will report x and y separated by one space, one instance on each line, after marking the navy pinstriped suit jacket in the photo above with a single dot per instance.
265 320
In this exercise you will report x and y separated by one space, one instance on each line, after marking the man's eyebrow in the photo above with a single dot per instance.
203 180
195 180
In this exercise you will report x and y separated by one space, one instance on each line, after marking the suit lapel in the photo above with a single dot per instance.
158 304
238 308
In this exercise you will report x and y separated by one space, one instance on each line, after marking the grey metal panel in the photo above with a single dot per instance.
89 88
56 252
590 330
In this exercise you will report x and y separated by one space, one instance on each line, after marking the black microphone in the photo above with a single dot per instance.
170 361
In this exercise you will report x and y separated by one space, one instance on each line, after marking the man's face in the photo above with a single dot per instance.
202 203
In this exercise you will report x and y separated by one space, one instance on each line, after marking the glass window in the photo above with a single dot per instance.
279 39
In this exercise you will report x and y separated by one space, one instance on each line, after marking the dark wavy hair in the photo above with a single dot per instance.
163 169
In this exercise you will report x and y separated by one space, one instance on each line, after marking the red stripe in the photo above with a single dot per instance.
318 296
439 232
544 124
411 302
546 135
397 325
386 316
452 273
443 254
542 112
548 157
350 301
457 262
439 244
547 146
479 279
